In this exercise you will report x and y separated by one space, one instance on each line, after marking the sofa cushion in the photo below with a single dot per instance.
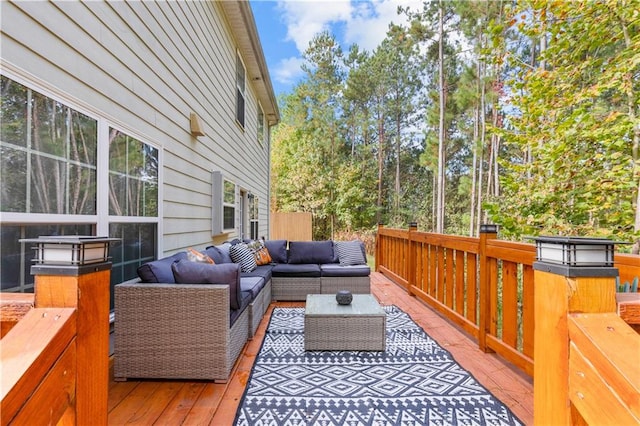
336 270
260 252
310 252
263 271
252 285
349 253
234 314
159 271
242 254
336 259
219 253
300 270
277 250
186 272
196 256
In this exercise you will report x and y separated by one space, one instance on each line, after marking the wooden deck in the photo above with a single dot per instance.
205 403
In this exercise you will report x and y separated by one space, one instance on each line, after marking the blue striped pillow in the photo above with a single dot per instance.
349 253
242 254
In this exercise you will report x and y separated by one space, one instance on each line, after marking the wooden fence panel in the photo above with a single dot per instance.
292 226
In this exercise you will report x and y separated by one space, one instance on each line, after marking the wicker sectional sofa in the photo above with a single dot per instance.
186 320
313 267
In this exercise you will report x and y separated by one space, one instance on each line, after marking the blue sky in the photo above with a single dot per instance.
287 26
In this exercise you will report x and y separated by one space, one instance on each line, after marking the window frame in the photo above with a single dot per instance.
241 92
229 204
101 220
254 216
260 125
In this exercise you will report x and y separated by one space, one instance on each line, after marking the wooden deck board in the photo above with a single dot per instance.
180 403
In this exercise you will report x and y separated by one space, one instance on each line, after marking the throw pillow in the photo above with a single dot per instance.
196 256
349 253
260 252
242 254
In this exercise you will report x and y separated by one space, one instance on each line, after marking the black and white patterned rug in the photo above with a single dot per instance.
413 382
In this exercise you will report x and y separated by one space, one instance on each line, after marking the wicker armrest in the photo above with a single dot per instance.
172 331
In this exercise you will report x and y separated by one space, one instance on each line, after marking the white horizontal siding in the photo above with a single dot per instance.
147 66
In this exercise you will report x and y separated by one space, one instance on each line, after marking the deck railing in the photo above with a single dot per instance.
54 365
484 285
45 374
603 369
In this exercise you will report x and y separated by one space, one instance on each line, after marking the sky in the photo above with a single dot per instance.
286 27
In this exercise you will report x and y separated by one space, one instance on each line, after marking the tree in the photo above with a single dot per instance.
574 135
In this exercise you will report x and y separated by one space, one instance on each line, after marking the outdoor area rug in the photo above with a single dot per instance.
413 382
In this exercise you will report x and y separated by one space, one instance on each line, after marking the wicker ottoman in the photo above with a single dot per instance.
360 326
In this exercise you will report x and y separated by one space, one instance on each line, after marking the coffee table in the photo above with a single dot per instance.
328 326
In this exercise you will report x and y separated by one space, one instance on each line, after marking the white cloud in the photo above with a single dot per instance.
370 21
365 22
305 19
288 70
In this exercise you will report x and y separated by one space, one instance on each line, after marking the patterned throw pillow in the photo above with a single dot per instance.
349 253
260 252
241 253
196 256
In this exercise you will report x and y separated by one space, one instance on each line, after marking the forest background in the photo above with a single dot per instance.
524 114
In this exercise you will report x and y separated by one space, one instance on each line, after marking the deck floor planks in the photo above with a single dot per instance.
183 401
216 403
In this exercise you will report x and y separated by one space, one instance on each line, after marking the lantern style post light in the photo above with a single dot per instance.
571 275
75 272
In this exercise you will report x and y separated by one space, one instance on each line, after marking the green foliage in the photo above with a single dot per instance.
542 124
571 167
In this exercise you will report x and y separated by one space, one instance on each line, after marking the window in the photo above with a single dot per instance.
48 154
138 244
133 176
253 217
240 91
260 125
51 156
133 193
16 257
229 205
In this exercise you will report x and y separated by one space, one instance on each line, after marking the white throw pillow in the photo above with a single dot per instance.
349 253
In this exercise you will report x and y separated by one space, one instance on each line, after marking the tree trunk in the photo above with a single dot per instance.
441 130
380 164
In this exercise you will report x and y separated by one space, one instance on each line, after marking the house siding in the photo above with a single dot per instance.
146 66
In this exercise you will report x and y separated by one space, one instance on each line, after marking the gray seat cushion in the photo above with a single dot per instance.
252 284
263 271
303 270
335 270
234 314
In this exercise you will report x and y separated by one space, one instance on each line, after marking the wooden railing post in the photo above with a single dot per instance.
487 232
412 254
85 288
378 248
560 290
